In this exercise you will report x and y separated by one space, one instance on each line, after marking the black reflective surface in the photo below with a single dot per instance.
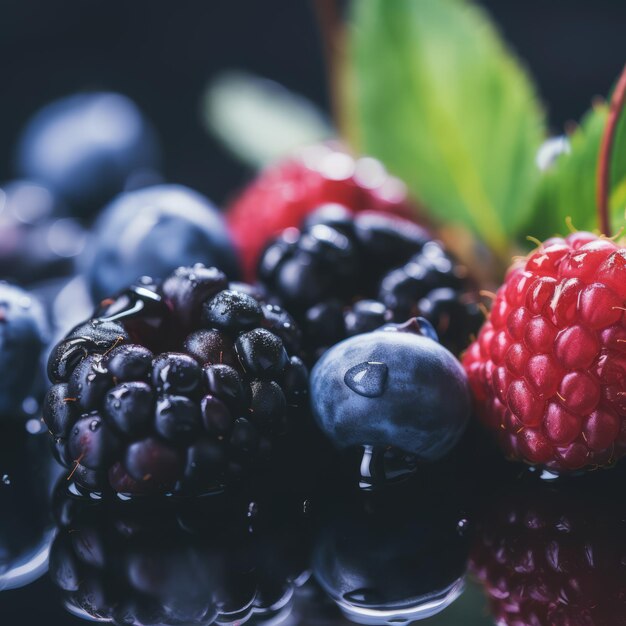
459 536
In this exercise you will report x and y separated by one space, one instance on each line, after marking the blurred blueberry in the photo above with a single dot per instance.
23 335
153 231
36 242
86 146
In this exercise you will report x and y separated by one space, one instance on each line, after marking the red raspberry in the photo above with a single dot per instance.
548 557
548 370
285 193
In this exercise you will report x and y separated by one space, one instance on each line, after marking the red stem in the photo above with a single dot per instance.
618 99
330 26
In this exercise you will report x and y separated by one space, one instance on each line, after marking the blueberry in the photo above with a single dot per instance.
86 146
152 232
23 333
398 389
176 373
129 407
261 352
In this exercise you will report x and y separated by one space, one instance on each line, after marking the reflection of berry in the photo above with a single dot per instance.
285 194
176 388
192 565
23 335
553 557
548 370
342 275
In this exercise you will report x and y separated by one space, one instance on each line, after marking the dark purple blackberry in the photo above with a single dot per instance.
206 563
174 388
343 274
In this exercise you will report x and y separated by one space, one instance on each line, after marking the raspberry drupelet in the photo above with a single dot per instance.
548 369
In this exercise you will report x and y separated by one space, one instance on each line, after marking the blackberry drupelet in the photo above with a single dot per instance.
178 387
343 274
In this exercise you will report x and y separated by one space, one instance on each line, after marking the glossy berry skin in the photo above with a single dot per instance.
343 274
392 387
284 194
151 232
196 564
181 388
548 370
86 146
553 556
23 335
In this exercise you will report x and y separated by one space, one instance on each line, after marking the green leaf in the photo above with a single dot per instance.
441 101
568 188
259 120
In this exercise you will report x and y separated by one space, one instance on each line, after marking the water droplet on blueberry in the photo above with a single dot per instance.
367 379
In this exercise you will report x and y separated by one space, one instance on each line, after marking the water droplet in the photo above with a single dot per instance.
367 379
94 425
6 479
253 509
462 526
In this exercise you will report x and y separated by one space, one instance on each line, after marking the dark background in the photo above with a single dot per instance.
162 54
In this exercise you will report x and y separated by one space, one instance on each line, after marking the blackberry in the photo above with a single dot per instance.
343 274
178 387
196 565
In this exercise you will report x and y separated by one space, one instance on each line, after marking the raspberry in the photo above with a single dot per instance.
286 193
553 556
174 388
548 370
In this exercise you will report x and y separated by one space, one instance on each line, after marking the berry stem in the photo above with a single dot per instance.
618 99
331 29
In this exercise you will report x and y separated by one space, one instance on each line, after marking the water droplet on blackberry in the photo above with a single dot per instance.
367 379
6 479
